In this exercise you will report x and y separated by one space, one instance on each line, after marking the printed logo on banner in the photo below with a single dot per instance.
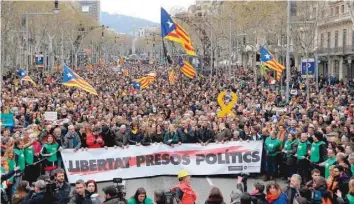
161 159
235 168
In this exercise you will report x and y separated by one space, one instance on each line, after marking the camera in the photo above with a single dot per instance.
120 188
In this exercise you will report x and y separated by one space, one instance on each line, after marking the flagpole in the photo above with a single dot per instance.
168 79
288 54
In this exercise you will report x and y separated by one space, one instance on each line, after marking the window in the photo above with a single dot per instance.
352 38
328 39
342 9
322 38
337 10
323 13
332 11
336 39
344 37
314 12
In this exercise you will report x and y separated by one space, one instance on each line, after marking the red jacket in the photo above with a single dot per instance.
189 195
91 141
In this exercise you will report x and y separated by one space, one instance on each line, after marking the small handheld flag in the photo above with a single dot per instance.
268 60
186 68
171 77
70 78
25 77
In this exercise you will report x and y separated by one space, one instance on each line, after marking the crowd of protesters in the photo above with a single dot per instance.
306 141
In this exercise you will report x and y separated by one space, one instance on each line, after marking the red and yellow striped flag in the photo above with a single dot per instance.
171 77
187 69
144 81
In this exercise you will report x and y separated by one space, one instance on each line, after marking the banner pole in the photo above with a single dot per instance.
168 78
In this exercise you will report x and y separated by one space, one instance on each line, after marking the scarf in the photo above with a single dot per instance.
134 131
272 197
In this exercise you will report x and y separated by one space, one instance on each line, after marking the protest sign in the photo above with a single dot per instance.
160 159
50 116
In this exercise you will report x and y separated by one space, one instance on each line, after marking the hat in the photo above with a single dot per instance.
182 174
111 190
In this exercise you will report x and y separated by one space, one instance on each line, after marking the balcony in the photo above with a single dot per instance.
336 51
334 19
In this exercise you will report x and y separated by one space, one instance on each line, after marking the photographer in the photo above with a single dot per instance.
64 188
111 196
81 195
36 196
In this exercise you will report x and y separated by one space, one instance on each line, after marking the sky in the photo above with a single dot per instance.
146 9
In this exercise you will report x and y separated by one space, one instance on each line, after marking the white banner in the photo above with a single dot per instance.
50 116
160 159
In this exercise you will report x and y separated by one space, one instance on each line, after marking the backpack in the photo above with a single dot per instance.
171 197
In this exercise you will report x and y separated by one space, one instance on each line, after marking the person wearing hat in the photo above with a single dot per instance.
183 190
318 152
111 195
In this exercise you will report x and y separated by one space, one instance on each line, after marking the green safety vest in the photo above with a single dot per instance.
52 148
12 164
21 162
288 145
2 172
350 198
352 166
29 155
315 151
328 163
273 146
302 149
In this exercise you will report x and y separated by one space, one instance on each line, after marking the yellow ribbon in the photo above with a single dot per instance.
226 109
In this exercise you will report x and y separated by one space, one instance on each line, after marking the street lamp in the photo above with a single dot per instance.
56 9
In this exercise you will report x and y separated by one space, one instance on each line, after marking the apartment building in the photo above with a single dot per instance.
91 8
335 38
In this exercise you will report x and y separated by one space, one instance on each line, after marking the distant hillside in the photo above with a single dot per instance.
124 24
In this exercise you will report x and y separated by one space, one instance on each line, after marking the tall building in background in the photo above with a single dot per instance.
91 8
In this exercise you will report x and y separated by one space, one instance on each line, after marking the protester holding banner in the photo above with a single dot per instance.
272 146
49 151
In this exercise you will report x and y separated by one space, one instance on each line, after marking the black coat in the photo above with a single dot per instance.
113 201
108 138
78 199
205 135
63 194
291 193
259 199
34 198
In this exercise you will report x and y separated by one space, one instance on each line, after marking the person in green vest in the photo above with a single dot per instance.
289 150
140 197
31 157
303 148
351 162
318 153
19 151
272 147
332 160
9 164
49 150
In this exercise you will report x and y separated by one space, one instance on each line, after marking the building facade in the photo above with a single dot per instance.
335 37
91 8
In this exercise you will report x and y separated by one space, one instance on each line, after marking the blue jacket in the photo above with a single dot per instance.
282 199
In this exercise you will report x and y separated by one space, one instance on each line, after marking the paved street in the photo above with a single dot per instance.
201 185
